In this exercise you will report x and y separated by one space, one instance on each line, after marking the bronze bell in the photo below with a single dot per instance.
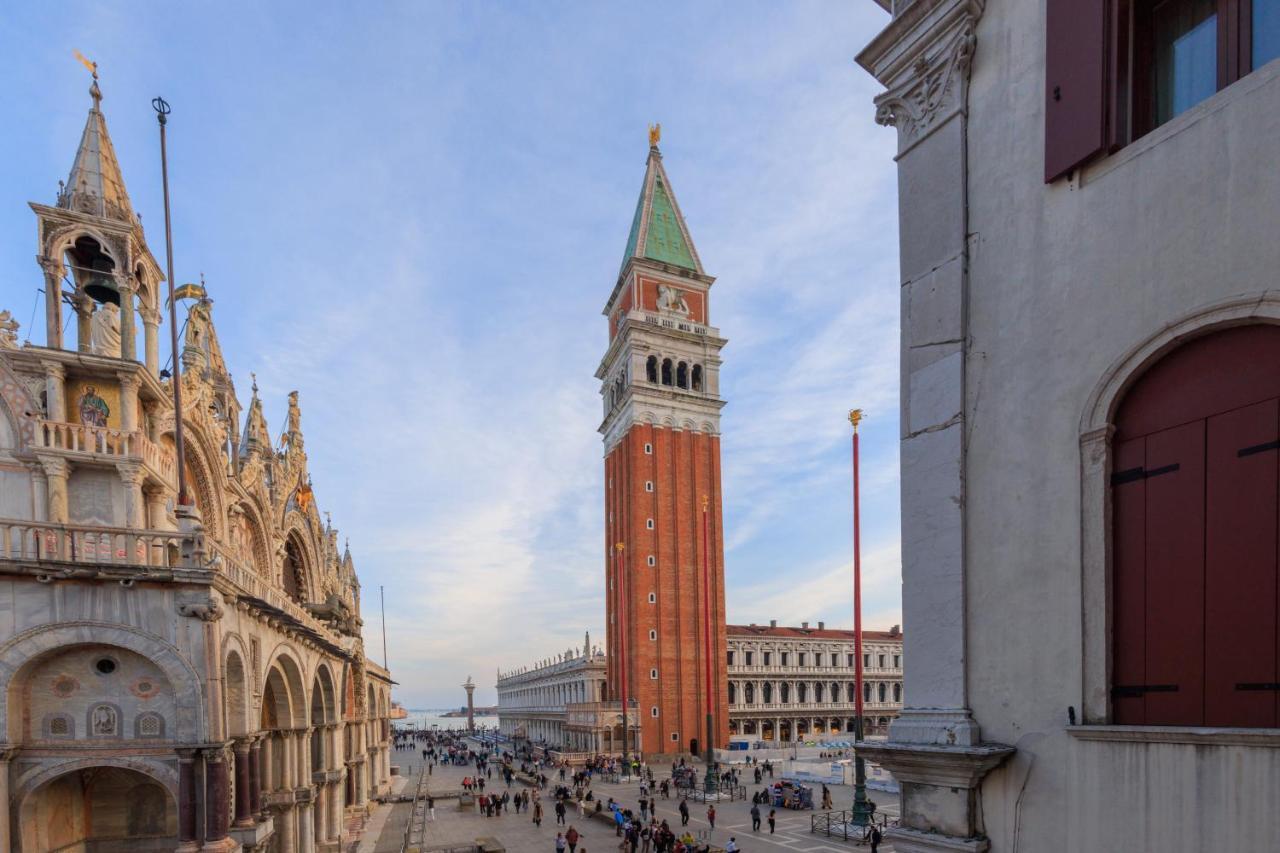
102 289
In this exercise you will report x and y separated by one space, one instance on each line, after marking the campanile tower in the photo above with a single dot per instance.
660 383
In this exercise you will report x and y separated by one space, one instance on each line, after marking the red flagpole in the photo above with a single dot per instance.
857 585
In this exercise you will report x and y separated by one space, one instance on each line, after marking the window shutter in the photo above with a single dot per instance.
1075 117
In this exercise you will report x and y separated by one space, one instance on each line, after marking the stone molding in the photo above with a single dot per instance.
1197 736
940 766
1095 470
907 840
935 727
923 59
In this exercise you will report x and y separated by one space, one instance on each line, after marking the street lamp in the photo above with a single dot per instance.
862 809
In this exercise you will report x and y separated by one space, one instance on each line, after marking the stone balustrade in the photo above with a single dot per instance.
105 441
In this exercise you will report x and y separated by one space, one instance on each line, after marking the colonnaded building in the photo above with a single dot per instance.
175 676
1090 451
797 683
785 684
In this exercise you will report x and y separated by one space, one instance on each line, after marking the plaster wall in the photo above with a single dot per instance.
1065 279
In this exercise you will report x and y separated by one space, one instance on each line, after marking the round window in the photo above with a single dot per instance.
106 666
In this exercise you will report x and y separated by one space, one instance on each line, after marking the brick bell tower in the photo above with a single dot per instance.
660 387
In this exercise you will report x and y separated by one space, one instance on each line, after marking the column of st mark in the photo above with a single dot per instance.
660 384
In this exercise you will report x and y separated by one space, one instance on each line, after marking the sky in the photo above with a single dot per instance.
413 213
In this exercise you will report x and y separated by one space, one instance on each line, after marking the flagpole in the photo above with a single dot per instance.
161 106
861 808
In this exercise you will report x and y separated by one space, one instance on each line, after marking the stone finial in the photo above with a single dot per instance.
8 331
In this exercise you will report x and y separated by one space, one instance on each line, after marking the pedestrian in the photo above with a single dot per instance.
876 838
560 821
711 816
571 838
772 820
560 843
431 806
826 798
684 812
755 817
732 846
537 814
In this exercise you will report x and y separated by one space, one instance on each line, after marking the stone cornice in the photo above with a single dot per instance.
923 59
929 764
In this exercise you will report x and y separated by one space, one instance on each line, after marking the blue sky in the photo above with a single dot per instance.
413 213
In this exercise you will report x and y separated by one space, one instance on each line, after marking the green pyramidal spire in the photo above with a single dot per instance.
658 231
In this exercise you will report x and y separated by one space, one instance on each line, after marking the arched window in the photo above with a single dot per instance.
697 377
817 692
852 692
651 369
767 690
682 375
866 691
835 692
802 693
1194 527
897 691
883 691
785 692
294 585
733 693
749 692
666 371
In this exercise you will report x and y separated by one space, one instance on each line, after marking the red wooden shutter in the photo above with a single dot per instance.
1175 576
1129 597
1240 567
1075 115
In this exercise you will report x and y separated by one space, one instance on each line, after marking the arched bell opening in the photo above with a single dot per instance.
97 300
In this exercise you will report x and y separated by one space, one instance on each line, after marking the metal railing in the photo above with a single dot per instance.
840 825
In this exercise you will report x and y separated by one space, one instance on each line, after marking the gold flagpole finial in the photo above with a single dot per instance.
655 134
619 546
705 501
855 418
87 63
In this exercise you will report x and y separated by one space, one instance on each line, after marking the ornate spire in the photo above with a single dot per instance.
95 185
658 230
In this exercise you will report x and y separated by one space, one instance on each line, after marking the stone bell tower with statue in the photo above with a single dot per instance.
664 560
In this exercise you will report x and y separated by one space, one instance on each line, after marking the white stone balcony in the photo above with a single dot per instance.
106 444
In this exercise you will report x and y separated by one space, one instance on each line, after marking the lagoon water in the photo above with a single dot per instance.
425 718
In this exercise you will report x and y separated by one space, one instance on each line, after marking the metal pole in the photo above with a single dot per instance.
708 751
861 808
162 112
622 657
383 596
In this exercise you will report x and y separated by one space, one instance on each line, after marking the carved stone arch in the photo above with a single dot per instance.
29 647
324 680
18 406
57 242
255 525
668 421
237 684
687 424
39 775
286 659
298 545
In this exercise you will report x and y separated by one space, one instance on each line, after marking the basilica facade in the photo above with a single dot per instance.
180 671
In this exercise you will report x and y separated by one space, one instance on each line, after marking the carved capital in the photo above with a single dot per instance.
207 607
150 316
130 472
54 370
128 381
54 467
52 267
923 58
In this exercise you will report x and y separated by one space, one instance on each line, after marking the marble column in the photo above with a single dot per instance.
288 757
128 345
217 795
187 800
129 403
335 809
53 272
6 754
151 339
84 321
135 510
322 807
255 776
306 828
286 826
56 471
55 394
244 782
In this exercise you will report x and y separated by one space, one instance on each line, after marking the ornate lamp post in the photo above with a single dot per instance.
709 750
862 809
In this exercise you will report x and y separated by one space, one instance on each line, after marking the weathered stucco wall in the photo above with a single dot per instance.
1064 281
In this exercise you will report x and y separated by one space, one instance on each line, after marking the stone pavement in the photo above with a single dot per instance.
518 834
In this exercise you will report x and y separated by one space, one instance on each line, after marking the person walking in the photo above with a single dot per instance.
876 838
684 812
772 821
560 821
826 798
755 817
431 806
560 843
537 813
711 816
571 838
